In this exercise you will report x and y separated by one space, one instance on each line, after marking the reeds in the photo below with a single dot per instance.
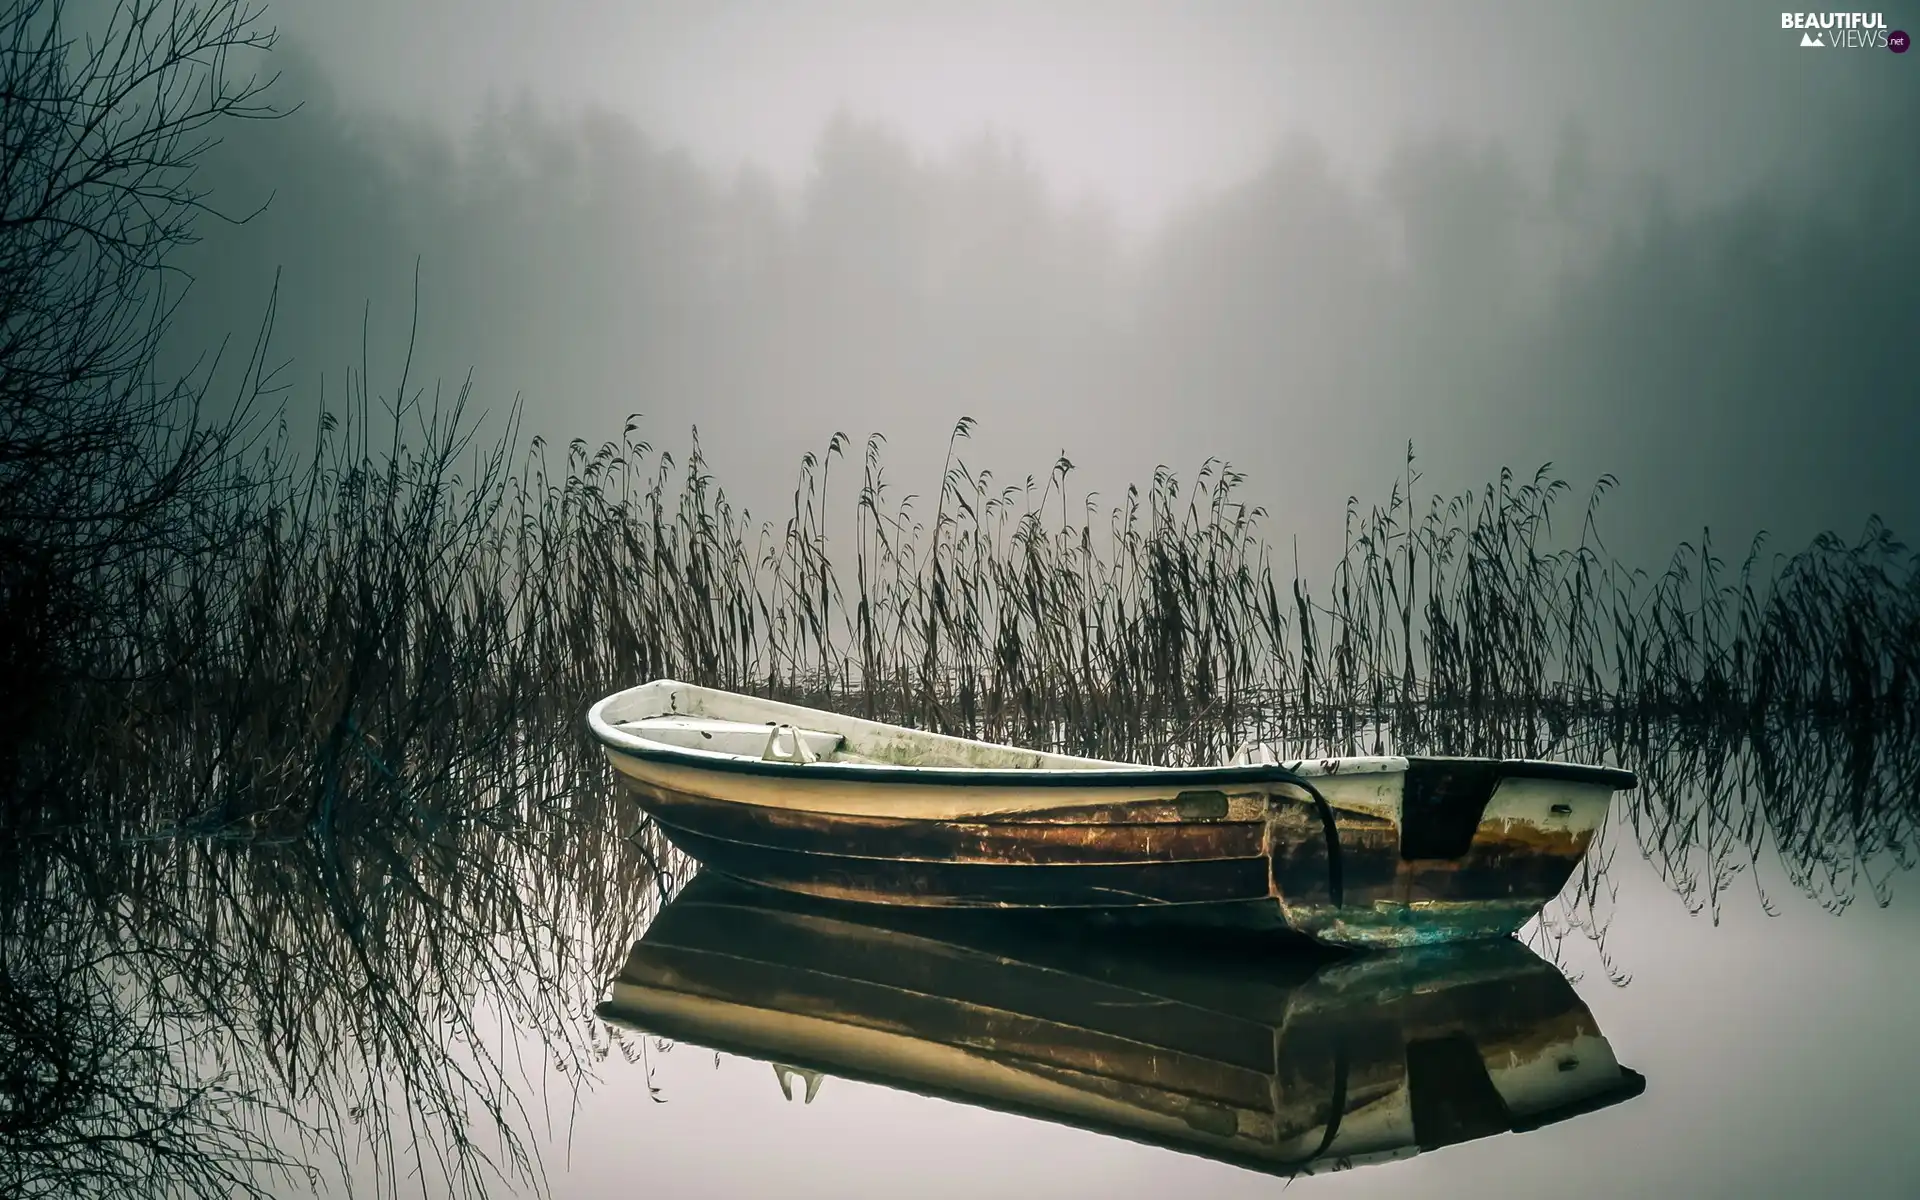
1162 628
325 804
368 625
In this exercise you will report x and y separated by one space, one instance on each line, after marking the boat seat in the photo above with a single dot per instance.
731 737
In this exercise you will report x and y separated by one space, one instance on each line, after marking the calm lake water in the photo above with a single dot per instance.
1778 1054
1755 1042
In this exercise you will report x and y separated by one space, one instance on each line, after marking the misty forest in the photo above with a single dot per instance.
346 458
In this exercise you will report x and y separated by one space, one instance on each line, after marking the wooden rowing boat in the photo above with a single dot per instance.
1365 852
1272 1061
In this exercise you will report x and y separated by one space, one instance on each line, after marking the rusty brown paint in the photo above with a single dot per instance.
1201 806
977 884
1301 870
1514 860
1195 847
1013 840
1240 806
1487 873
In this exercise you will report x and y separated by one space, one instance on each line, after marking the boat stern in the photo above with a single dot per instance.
1463 849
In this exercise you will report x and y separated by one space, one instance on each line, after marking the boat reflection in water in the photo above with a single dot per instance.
1234 1050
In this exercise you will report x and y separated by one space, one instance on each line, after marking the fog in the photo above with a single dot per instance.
1670 246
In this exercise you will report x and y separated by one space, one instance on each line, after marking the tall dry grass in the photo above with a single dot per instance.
366 624
323 804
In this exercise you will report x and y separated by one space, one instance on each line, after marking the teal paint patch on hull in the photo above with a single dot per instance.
1385 926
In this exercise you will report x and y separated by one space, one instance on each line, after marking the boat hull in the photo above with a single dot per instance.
1440 851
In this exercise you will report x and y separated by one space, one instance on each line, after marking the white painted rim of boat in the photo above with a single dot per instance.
601 720
608 731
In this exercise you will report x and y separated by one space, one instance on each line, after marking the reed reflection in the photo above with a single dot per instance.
285 996
259 994
315 815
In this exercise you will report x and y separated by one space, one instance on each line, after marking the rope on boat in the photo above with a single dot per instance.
1335 881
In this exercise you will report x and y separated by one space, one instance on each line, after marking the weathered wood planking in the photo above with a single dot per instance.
1371 852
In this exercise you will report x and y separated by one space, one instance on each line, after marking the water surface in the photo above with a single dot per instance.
415 1000
1778 1053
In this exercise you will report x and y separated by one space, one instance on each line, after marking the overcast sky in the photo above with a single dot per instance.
1658 240
1139 104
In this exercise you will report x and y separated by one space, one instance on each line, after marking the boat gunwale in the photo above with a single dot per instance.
615 739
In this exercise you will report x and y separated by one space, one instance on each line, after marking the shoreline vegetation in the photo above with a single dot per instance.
326 814
370 624
300 813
